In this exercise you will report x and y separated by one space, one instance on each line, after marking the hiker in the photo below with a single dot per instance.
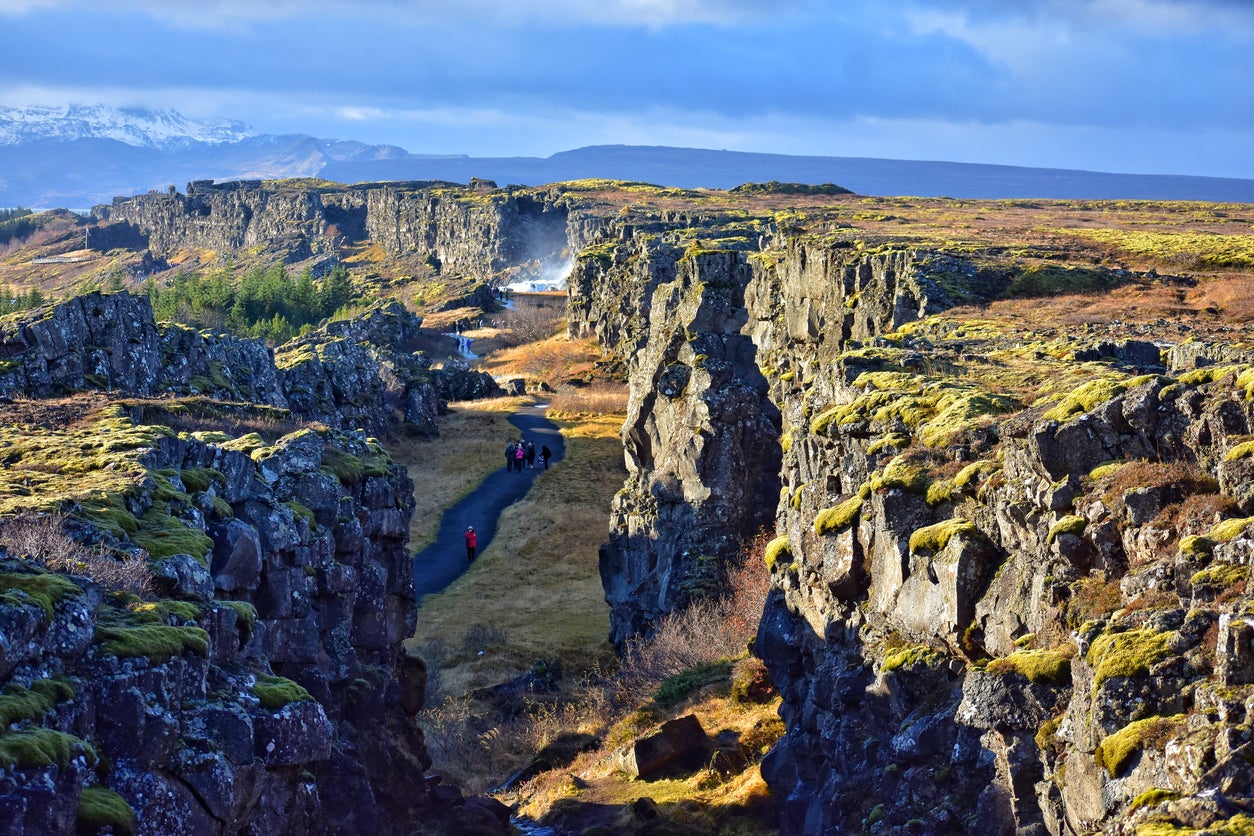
471 540
520 453
531 454
509 456
545 455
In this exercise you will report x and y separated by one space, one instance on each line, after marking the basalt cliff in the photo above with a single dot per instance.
1011 554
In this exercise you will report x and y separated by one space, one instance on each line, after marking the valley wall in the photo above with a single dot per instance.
987 612
476 232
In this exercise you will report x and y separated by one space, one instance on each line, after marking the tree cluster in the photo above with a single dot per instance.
265 302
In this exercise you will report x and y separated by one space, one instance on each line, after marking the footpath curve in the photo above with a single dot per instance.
441 563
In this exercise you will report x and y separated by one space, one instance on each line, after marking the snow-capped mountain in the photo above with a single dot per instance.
138 127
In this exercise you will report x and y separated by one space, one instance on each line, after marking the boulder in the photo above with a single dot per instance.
679 743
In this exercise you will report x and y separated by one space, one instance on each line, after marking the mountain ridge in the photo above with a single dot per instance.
80 156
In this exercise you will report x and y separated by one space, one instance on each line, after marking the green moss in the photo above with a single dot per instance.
842 516
1128 654
350 469
1195 546
1227 530
158 642
162 535
277 691
1221 576
221 509
46 589
1106 469
1241 451
1043 667
246 444
934 538
1116 750
1151 798
775 550
1070 524
902 473
163 612
1085 398
302 512
678 686
909 656
100 807
965 412
245 612
887 441
37 748
972 472
198 479
17 703
1044 736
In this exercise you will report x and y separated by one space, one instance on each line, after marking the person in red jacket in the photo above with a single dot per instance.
470 543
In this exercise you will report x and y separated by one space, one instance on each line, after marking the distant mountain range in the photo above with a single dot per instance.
80 156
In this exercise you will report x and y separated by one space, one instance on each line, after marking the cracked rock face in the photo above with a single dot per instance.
287 714
1016 617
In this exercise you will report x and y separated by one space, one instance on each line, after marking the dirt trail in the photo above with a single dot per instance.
441 563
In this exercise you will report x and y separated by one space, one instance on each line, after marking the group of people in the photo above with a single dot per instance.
518 453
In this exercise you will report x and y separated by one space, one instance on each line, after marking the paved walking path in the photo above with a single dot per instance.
441 563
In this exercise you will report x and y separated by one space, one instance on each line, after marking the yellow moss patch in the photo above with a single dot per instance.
935 537
1116 750
1070 524
1043 667
840 517
1126 654
1226 530
776 550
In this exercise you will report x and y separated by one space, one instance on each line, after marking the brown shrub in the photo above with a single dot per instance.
708 630
43 539
1091 598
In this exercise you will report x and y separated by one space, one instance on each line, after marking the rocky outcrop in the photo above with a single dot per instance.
267 691
111 342
700 442
356 373
986 612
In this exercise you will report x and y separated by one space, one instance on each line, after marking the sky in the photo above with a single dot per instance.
1137 86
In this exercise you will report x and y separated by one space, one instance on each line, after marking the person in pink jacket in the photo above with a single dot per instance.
471 541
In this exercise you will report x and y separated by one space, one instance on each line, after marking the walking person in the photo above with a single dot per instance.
545 455
520 453
509 456
471 542
531 454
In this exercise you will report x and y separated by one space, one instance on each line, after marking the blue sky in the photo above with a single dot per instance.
1147 86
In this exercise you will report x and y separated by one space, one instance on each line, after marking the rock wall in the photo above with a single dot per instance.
351 374
477 232
700 443
264 691
986 614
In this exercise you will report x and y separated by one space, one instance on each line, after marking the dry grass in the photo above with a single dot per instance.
445 469
597 399
556 361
